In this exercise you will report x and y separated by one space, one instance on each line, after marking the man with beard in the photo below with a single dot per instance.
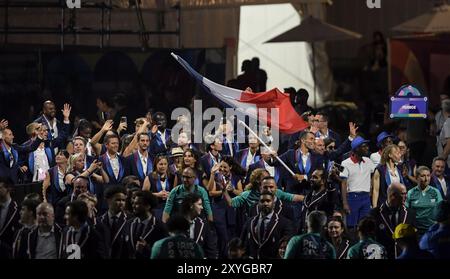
356 182
140 163
144 230
323 197
263 232
111 224
438 178
199 230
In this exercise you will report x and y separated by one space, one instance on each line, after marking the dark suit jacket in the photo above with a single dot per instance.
113 244
325 201
436 184
266 248
132 164
291 159
27 248
206 164
385 229
242 154
152 233
156 144
108 169
7 233
91 244
205 236
63 132
18 151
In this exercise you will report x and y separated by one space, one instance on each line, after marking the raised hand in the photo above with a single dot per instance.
108 125
122 127
3 124
66 111
353 129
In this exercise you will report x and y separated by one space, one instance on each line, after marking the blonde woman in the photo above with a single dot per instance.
386 173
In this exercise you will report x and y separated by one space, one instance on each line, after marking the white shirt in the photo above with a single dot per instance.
89 148
394 175
144 162
304 158
358 174
163 136
443 185
376 158
53 127
250 158
270 169
11 162
115 165
61 180
41 164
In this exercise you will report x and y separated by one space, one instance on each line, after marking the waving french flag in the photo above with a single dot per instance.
250 103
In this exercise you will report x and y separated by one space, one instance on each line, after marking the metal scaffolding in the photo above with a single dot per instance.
70 28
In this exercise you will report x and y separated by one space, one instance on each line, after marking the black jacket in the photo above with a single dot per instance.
113 244
90 242
266 248
8 231
385 228
154 231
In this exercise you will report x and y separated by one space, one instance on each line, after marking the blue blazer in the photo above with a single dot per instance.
242 154
63 132
292 158
156 144
207 163
435 183
133 166
226 148
17 150
108 168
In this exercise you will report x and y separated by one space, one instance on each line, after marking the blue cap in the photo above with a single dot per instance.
382 136
356 142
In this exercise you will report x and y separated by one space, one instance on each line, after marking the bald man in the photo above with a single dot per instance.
44 240
391 213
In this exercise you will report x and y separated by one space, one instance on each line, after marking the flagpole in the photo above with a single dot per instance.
266 146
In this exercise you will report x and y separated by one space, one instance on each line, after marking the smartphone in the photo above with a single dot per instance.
123 119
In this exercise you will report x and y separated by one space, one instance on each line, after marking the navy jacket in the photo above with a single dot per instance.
267 247
63 132
151 233
156 144
17 150
436 184
7 233
108 169
292 158
114 245
205 236
27 249
134 166
385 227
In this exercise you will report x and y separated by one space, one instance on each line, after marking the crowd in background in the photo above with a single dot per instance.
140 192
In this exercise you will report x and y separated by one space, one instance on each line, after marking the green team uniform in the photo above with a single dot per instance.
250 197
309 246
176 247
178 193
367 249
424 203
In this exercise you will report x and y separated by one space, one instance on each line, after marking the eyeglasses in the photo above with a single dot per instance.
188 177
